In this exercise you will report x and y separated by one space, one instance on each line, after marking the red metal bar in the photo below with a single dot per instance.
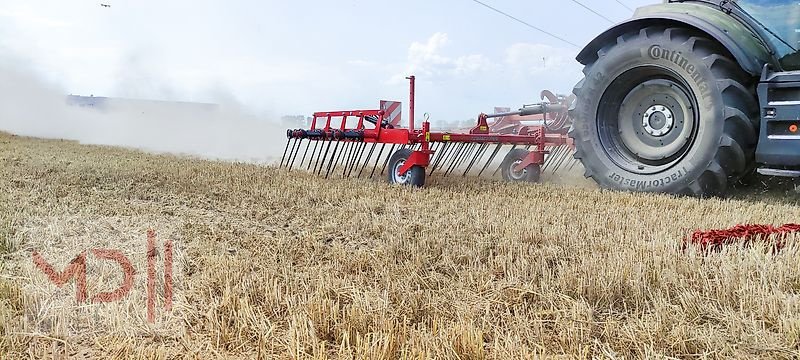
412 79
417 158
348 113
426 133
387 136
490 138
534 157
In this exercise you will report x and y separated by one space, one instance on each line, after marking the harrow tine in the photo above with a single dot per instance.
473 150
292 152
339 156
573 163
303 160
501 165
449 158
366 162
348 146
322 164
333 157
391 151
554 150
350 158
491 158
357 160
311 159
570 160
460 160
454 157
377 160
436 147
555 155
561 161
478 155
457 159
437 153
285 151
562 157
296 152
444 148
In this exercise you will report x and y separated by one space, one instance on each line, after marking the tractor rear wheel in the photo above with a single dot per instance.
665 110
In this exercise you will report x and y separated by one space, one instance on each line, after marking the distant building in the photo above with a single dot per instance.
148 107
295 121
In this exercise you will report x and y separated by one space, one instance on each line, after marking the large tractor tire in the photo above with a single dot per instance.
665 110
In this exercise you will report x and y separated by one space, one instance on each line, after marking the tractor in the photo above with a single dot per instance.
691 97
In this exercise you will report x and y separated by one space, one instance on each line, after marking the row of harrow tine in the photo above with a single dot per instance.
358 159
326 156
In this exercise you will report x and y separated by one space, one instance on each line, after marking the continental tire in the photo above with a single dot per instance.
665 110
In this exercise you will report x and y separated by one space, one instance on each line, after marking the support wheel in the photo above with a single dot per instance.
531 173
413 177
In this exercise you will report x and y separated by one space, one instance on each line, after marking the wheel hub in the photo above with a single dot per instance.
658 120
649 120
401 179
517 175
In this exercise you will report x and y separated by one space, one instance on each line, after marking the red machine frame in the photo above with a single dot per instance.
536 137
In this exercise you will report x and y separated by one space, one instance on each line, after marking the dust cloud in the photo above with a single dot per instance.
225 130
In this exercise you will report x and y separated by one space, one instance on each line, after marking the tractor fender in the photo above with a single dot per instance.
743 44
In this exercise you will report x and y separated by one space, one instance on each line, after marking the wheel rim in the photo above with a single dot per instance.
653 122
517 175
401 179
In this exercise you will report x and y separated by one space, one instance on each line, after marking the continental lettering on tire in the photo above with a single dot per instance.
656 52
647 184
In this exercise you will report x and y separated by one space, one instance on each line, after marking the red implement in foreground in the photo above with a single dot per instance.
534 143
714 240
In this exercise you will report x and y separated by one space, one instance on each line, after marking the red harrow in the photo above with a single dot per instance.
534 139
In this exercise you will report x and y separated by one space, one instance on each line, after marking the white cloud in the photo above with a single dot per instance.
513 76
29 19
427 61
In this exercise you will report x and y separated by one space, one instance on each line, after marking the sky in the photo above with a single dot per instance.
298 57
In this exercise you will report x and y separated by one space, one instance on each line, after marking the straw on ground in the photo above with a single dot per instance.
273 264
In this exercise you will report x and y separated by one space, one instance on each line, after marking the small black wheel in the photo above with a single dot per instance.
531 173
413 177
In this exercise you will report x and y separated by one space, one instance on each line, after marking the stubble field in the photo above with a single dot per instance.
270 264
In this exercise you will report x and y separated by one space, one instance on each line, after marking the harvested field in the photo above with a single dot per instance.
270 264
